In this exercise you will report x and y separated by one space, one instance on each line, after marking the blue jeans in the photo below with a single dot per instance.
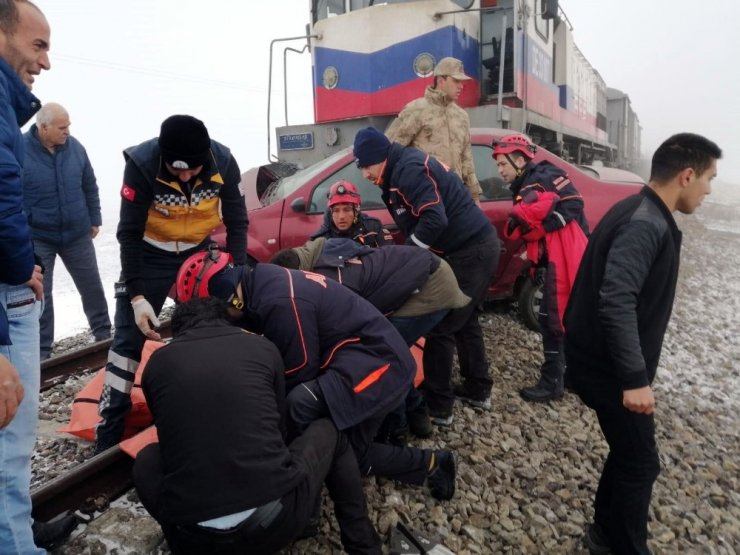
78 257
18 438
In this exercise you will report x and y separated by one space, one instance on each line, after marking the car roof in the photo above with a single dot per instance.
612 174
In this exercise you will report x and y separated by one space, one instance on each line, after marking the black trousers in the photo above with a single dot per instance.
306 403
630 470
553 367
322 453
161 269
474 266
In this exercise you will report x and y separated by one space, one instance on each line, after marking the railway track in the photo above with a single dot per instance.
91 485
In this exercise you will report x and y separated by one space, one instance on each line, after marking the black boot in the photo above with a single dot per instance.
596 541
419 423
50 535
544 390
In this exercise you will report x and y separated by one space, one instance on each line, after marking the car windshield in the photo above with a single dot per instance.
287 185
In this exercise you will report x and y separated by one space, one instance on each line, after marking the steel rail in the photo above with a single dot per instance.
106 476
56 369
103 477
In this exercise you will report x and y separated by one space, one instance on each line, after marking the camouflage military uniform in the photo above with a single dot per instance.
438 126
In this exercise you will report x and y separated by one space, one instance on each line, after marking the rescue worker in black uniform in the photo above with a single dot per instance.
343 359
435 211
413 287
222 479
176 189
343 218
514 156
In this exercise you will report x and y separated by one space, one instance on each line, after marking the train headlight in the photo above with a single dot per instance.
424 64
330 77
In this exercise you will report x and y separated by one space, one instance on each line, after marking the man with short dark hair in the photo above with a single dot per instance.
60 194
24 53
222 478
176 189
615 322
434 211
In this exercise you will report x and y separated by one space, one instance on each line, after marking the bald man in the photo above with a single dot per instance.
61 199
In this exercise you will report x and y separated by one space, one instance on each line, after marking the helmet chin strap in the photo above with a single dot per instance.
519 171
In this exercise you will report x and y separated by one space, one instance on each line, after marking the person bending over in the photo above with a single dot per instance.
343 359
222 479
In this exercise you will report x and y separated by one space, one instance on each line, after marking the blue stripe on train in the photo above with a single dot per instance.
368 73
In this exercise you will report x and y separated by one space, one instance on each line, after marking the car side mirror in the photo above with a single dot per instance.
298 205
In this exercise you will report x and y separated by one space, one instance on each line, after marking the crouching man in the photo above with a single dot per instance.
343 360
222 479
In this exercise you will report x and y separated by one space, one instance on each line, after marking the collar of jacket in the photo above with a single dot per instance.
38 145
394 154
436 96
24 103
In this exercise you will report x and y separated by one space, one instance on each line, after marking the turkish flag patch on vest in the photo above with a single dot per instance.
128 193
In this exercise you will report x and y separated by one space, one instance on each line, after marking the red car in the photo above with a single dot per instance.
283 212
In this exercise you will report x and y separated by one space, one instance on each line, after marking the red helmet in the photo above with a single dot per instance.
196 272
514 143
343 191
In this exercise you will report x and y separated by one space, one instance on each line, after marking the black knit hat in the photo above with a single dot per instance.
184 142
371 147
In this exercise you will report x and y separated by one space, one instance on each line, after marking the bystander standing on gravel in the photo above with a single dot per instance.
616 319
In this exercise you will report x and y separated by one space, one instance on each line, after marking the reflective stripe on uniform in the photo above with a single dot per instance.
170 246
119 384
124 363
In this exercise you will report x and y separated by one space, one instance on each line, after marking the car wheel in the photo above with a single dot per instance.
529 299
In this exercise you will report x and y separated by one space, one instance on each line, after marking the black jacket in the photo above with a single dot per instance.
367 231
326 332
386 276
160 213
430 202
217 396
623 295
545 177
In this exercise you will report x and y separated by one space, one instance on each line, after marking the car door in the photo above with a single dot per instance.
496 203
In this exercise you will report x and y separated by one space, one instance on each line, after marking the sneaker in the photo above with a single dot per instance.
441 418
595 541
419 423
482 402
441 480
50 535
544 390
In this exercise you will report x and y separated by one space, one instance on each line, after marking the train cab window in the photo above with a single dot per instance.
323 9
542 26
490 181
369 192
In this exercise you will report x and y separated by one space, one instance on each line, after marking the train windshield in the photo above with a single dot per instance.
323 9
